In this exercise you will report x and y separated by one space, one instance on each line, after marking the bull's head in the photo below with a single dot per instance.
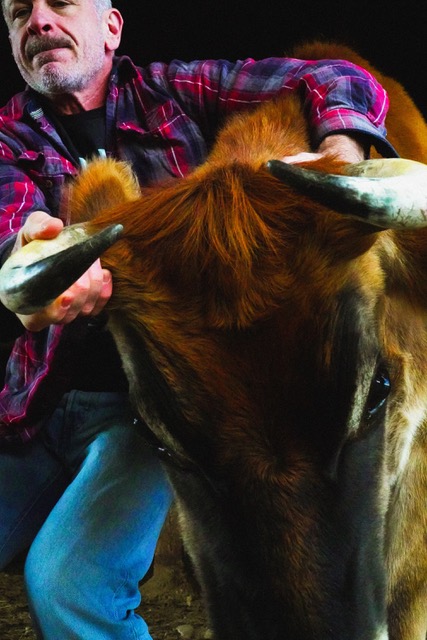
275 344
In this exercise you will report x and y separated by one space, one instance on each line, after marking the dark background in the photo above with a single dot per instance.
392 35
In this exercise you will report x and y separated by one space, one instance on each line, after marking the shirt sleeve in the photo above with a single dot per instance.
19 196
341 98
338 96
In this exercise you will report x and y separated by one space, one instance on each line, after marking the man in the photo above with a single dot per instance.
77 483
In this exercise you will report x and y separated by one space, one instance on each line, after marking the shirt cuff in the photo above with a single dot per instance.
338 123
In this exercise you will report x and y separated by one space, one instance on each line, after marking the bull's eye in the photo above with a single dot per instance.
378 393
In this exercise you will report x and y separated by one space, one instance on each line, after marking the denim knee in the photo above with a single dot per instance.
46 577
68 599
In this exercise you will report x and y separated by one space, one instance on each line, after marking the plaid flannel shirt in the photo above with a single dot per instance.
163 119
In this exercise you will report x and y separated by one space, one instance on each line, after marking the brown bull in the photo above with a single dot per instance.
272 324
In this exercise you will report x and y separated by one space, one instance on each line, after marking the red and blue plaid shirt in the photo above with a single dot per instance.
163 119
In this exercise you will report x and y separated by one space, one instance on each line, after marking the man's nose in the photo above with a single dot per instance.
40 20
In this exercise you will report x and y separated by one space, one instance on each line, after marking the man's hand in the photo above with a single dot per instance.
342 147
87 296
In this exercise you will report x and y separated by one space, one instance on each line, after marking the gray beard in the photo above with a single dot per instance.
57 83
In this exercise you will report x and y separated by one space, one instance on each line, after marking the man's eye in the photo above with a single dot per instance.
19 14
23 12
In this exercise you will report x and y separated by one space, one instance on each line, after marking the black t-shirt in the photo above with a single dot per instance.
84 133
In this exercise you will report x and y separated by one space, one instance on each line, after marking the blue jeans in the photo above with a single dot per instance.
90 499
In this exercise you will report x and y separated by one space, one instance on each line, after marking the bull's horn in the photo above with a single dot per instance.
35 275
389 193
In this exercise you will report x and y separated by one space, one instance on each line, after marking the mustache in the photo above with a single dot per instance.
46 43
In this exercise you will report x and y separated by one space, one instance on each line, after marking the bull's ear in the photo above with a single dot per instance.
32 277
388 193
104 184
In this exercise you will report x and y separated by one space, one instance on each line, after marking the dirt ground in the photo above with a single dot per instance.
171 603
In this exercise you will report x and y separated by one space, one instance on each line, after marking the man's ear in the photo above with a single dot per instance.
113 21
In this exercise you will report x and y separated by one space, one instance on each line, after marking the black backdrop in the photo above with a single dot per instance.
391 35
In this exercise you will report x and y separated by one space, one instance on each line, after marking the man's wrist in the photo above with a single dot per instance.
347 147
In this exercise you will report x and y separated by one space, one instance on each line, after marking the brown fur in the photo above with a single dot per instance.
235 284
